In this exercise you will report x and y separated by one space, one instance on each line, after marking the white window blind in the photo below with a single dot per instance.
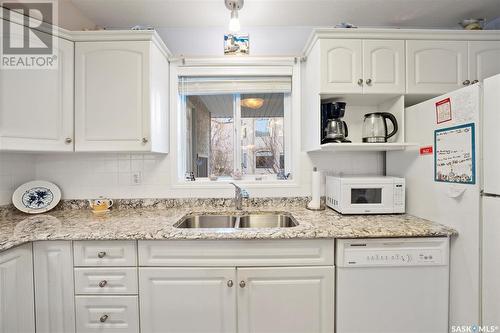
225 85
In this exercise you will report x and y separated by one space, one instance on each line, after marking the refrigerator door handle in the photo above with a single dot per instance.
491 195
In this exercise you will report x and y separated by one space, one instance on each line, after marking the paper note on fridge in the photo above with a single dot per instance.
454 154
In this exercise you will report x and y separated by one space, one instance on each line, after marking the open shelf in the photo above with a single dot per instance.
356 146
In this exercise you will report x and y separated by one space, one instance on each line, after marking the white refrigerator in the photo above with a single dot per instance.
453 178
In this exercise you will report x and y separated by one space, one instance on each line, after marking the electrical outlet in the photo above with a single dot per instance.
136 178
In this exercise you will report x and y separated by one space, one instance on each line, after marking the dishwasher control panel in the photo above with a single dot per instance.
392 253
399 257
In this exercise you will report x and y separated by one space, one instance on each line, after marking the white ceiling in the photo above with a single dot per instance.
212 13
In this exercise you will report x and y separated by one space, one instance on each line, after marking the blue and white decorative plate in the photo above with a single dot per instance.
37 196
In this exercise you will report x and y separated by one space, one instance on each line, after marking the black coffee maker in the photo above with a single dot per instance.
333 128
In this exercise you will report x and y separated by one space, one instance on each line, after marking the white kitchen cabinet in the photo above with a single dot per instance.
484 59
384 66
107 314
362 66
17 313
36 105
189 300
54 292
121 96
105 253
435 67
341 65
106 280
286 300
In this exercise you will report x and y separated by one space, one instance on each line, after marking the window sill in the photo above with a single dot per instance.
245 183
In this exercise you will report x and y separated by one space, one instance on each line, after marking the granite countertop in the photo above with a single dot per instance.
154 219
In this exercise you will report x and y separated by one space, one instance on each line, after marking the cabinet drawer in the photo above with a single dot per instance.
105 253
106 280
286 252
117 314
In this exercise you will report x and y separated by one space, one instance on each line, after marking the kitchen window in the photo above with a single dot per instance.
236 127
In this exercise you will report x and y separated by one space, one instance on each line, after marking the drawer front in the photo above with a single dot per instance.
287 252
105 253
106 280
117 314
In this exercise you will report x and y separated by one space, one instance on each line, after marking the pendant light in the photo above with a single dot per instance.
234 6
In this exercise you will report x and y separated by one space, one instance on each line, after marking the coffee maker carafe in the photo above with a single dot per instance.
334 129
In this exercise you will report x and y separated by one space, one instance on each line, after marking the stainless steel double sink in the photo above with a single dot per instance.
237 221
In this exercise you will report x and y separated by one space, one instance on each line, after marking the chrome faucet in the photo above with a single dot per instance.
239 194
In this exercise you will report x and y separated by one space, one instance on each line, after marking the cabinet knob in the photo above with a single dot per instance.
230 283
68 140
144 140
369 81
242 284
466 82
103 283
360 82
475 81
101 254
103 318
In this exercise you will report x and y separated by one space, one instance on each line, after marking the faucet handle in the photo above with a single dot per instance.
245 194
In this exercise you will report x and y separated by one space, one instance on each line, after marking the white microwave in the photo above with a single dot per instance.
366 195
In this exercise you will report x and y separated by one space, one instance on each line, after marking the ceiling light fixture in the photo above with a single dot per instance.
252 103
234 6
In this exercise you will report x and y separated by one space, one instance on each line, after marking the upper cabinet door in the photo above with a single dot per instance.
341 66
286 299
36 105
484 59
17 314
112 96
435 67
384 66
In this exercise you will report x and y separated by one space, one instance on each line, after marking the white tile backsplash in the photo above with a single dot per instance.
15 169
349 163
85 175
88 175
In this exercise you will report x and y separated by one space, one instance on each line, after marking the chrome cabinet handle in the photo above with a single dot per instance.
101 254
360 82
475 81
242 284
230 283
144 140
369 81
103 318
68 140
466 82
103 283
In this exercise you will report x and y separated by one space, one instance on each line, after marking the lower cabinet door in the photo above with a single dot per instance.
187 300
103 314
286 300
17 314
54 292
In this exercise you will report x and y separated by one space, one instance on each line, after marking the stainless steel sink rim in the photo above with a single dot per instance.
237 221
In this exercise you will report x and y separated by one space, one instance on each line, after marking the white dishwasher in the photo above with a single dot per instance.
398 285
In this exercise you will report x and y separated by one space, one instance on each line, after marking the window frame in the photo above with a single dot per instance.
266 67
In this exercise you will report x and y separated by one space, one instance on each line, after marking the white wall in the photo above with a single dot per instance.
71 17
264 41
15 169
